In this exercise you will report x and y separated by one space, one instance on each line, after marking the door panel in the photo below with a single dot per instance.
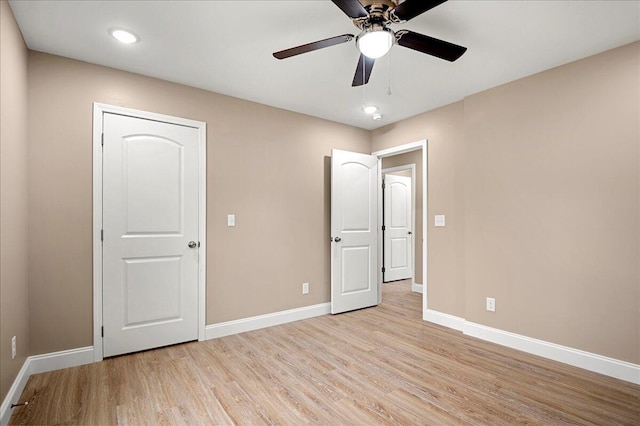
150 213
145 284
398 253
398 256
354 230
151 184
356 181
355 269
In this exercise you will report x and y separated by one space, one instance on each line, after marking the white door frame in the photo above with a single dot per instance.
98 111
412 169
414 146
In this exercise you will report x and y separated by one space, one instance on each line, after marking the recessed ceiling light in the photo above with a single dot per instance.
124 36
369 109
377 116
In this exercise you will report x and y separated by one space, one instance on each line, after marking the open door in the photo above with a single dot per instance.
354 231
398 253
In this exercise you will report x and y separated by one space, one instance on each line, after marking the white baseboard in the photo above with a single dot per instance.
41 364
14 393
416 288
58 360
228 328
446 320
589 361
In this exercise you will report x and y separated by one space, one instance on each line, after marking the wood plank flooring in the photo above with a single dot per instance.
381 365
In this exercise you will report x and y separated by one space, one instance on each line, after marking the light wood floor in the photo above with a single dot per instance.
382 365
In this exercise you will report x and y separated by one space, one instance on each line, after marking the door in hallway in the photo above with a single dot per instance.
398 236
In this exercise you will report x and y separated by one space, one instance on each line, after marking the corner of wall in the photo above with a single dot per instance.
14 318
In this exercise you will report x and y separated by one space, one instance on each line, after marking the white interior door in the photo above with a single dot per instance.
150 223
398 256
354 231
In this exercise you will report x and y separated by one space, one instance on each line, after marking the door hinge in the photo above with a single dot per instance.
102 142
384 228
102 331
383 185
383 269
102 235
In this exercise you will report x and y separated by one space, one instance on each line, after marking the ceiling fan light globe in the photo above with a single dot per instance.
375 44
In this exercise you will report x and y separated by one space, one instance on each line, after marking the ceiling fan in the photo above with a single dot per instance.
373 18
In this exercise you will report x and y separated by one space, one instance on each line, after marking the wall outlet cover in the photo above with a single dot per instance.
305 288
491 304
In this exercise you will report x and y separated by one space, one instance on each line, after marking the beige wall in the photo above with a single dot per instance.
14 320
552 205
541 180
267 166
414 157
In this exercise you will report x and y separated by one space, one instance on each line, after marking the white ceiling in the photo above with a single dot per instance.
227 46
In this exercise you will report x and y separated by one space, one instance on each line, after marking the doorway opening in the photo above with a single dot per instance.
411 153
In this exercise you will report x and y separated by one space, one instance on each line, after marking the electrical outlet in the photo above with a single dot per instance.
305 288
13 347
491 304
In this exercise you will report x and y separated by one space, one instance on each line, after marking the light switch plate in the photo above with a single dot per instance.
440 221
231 220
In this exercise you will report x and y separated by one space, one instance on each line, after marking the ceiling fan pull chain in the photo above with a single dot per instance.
364 73
364 86
389 73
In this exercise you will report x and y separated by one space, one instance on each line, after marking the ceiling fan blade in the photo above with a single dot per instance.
363 71
352 8
309 47
412 8
429 45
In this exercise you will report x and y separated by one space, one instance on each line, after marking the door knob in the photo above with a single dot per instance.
409 232
193 244
337 239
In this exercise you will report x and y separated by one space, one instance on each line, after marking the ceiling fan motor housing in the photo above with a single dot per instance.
380 15
390 4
